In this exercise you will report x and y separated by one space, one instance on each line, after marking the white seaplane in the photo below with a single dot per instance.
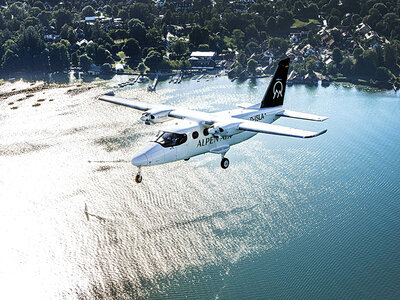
197 132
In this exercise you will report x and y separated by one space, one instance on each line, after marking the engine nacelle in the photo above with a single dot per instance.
155 116
225 130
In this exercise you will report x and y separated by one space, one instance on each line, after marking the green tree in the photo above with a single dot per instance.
141 68
346 66
142 11
310 65
67 33
119 34
357 53
331 69
58 57
284 20
312 11
153 36
337 55
103 56
390 56
106 68
280 45
153 60
9 61
179 48
333 21
108 10
75 59
88 11
238 37
251 48
45 18
271 24
383 74
132 48
251 66
91 50
366 63
137 30
85 62
62 16
199 36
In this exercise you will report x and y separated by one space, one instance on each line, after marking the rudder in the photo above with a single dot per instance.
276 90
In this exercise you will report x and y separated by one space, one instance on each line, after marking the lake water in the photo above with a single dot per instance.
290 218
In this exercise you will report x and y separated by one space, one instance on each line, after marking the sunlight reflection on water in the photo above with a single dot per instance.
186 216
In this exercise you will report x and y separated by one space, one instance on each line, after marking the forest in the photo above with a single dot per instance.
346 38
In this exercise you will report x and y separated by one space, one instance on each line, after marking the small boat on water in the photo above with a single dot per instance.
143 79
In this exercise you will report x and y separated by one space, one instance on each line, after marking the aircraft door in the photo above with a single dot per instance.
182 151
170 154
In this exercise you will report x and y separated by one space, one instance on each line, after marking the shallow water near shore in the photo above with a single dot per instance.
290 218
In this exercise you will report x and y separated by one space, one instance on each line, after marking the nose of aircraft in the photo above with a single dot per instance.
151 154
140 160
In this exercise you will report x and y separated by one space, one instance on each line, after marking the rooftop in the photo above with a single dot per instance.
202 53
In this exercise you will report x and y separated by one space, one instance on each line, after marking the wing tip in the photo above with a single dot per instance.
316 134
320 119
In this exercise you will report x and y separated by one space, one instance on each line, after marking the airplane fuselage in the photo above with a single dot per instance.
193 138
196 132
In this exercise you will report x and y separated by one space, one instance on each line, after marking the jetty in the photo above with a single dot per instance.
152 87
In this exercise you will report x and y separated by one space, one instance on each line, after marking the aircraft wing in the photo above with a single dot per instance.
277 130
139 105
209 119
171 111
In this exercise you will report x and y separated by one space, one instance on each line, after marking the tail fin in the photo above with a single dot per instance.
276 89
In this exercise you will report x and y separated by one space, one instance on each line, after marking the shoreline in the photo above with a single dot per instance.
40 83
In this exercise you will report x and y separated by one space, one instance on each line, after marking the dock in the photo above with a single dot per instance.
152 87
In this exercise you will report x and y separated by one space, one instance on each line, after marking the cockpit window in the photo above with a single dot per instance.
170 139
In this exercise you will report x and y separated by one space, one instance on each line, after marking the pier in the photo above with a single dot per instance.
152 87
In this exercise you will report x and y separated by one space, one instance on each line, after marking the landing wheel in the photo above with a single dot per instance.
224 163
138 178
186 159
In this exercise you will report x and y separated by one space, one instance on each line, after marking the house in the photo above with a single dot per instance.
180 4
119 68
90 19
329 61
295 37
268 55
202 59
372 37
52 37
94 70
83 43
363 28
330 44
307 50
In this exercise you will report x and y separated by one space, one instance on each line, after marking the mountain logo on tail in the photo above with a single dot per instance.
278 89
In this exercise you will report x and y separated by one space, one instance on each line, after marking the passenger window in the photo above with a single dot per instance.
205 131
195 135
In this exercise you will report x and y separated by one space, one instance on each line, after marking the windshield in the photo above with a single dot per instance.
170 139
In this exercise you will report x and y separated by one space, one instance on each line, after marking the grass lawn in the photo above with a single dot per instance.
229 42
298 23
121 54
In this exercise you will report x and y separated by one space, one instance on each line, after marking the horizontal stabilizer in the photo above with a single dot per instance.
278 130
246 105
300 115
